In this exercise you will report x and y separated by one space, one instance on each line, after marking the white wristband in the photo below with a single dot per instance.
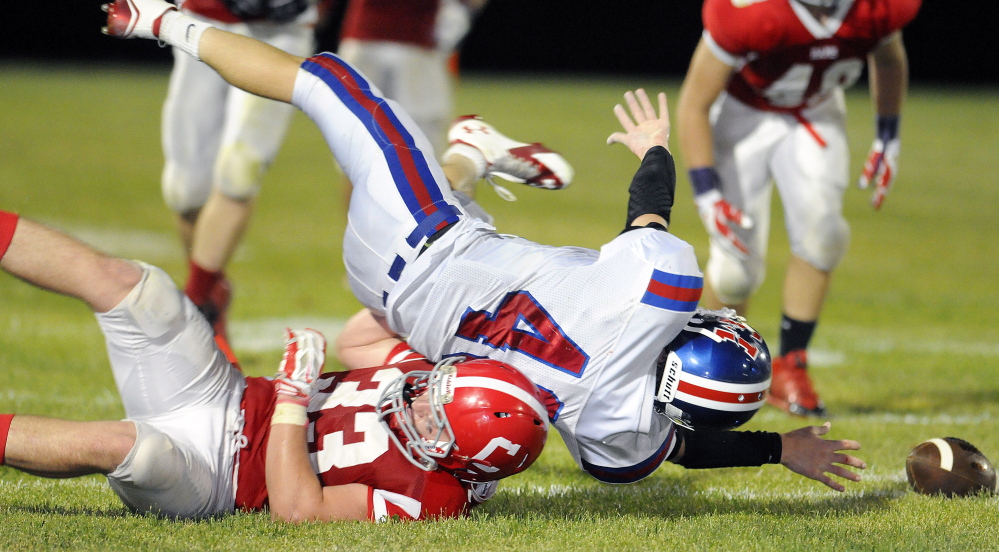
182 32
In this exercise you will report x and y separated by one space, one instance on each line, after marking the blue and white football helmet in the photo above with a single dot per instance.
715 374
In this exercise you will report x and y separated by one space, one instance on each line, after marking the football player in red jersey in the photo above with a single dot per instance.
763 101
408 440
403 47
218 141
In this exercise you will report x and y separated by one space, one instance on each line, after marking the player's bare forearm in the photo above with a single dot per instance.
251 65
805 452
365 341
889 76
294 491
705 80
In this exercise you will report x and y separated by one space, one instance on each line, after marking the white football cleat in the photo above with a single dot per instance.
135 18
496 155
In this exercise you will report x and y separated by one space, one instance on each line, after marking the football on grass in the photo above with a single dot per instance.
949 466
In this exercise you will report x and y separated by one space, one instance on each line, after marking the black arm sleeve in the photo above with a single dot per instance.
653 186
727 449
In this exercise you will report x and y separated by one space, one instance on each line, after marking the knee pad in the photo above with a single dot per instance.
824 244
733 279
156 477
182 191
239 171
155 303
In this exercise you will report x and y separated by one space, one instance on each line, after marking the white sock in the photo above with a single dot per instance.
472 153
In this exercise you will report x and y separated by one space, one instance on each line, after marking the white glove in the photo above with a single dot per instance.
881 168
304 356
719 217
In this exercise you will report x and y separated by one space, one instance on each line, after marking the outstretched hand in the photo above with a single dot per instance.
805 452
643 129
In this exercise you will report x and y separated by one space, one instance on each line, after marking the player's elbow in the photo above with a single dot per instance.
292 513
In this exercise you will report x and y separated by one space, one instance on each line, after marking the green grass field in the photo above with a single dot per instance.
908 348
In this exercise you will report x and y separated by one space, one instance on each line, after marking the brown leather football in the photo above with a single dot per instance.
949 466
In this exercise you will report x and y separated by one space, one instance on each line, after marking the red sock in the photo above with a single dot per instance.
8 222
200 282
5 420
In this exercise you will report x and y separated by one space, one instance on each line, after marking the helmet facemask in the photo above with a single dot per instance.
396 413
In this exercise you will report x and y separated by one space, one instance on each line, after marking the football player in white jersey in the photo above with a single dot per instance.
199 439
762 104
587 327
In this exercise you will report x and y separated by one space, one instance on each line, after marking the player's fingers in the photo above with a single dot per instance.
845 473
852 461
740 248
636 110
663 108
871 169
647 109
885 178
741 219
615 138
822 429
732 213
623 118
847 444
831 483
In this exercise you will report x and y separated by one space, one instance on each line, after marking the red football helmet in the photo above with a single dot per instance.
486 420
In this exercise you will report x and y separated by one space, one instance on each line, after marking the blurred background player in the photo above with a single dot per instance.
199 439
763 100
406 48
218 141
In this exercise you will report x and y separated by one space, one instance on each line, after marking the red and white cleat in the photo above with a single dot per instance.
497 155
135 18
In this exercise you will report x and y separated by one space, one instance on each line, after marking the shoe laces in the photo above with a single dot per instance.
516 168
501 191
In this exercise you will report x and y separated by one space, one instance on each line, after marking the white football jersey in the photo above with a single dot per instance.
585 326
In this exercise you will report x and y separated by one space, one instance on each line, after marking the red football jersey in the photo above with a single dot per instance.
212 9
405 21
785 59
216 10
347 444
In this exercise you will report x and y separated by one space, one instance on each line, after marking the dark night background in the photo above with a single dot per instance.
949 42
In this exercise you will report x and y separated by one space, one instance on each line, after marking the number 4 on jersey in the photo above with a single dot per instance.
521 324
